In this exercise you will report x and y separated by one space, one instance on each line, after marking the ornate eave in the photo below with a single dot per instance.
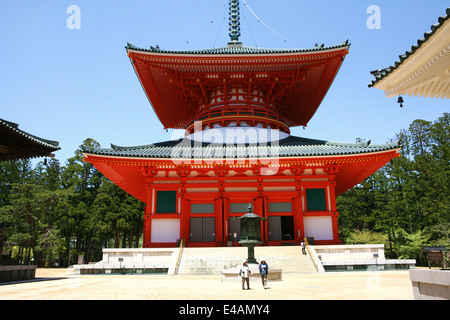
16 144
422 71
238 48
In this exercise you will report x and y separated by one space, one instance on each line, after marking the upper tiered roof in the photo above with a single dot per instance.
237 48
179 83
288 84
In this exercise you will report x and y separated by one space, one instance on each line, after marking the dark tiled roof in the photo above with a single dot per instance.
291 146
382 73
238 49
17 144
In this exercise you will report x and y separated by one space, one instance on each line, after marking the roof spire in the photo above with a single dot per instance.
234 21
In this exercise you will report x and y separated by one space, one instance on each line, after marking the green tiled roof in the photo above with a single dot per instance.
238 49
380 74
290 146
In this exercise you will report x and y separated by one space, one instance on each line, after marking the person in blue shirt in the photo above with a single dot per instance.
264 270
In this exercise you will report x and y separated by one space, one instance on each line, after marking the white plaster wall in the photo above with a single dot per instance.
165 230
321 228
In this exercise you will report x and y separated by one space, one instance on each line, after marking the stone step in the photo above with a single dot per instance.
215 260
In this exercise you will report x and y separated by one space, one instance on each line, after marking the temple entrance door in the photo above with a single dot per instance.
202 229
281 228
235 230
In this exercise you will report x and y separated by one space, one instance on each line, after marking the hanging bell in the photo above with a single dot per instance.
400 101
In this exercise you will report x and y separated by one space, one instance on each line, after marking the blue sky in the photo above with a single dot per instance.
71 84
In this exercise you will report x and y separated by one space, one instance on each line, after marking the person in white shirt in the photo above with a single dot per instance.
245 275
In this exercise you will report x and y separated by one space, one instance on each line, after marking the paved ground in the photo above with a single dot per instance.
62 284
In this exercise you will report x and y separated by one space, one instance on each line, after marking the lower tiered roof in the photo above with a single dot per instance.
288 147
347 163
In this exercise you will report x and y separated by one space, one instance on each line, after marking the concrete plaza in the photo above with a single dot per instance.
63 284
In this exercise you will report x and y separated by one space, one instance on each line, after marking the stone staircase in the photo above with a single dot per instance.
288 258
211 261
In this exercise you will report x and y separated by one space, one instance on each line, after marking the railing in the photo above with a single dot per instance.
242 113
177 266
313 256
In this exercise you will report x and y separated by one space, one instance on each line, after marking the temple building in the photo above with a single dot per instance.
237 105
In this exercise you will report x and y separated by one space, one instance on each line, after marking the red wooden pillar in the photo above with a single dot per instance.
226 220
185 212
335 214
334 219
218 213
297 211
260 210
332 187
147 230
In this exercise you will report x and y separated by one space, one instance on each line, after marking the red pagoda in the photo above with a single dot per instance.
237 105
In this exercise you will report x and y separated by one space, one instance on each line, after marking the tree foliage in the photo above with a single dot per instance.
54 214
407 200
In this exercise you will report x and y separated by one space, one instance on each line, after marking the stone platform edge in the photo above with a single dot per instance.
17 273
